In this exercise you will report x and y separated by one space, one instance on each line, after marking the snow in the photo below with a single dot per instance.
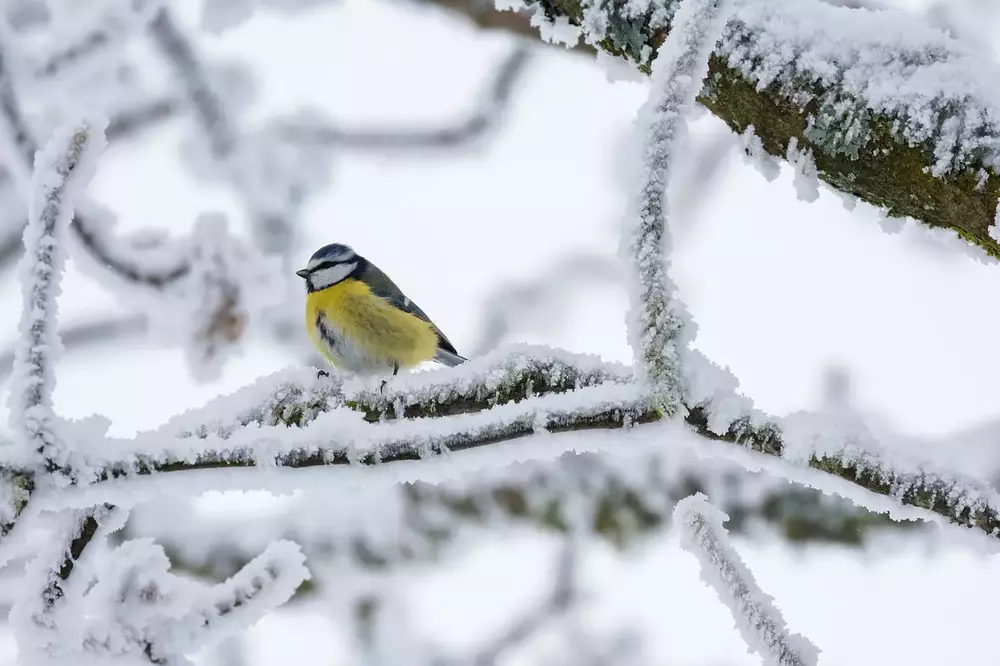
63 170
136 606
657 321
934 87
756 156
228 287
995 227
852 62
217 16
804 167
760 624
103 384
91 49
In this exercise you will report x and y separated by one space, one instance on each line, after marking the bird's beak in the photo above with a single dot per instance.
302 273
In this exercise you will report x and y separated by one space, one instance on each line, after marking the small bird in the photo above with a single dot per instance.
361 322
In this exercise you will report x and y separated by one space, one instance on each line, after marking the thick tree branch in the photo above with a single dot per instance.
917 151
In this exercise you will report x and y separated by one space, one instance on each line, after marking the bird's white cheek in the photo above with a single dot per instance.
326 276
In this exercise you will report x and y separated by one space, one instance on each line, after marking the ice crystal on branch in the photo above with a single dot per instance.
657 321
62 171
759 622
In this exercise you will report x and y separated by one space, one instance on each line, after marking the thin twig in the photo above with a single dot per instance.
85 334
559 602
502 85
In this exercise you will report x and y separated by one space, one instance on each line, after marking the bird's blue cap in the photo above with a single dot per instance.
333 252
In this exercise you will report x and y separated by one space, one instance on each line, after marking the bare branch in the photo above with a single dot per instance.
85 334
127 123
488 115
560 600
190 73
544 294
106 252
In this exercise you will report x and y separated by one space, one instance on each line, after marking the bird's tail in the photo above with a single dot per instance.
445 357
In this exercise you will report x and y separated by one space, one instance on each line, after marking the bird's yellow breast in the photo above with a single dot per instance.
366 330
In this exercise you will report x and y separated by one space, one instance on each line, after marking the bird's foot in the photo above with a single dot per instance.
322 373
382 388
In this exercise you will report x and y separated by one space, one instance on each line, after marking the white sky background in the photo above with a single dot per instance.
780 289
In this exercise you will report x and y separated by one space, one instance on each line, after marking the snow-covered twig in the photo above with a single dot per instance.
71 532
208 108
128 122
62 172
109 31
130 604
106 251
759 622
546 294
271 192
266 582
657 321
15 135
488 115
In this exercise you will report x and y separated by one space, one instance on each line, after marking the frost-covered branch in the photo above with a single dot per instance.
480 397
71 531
759 622
656 319
266 582
337 440
92 234
256 166
108 33
619 499
894 112
84 526
190 73
62 172
128 122
128 602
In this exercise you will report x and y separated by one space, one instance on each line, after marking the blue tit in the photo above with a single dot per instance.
361 322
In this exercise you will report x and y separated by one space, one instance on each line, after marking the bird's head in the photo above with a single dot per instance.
329 265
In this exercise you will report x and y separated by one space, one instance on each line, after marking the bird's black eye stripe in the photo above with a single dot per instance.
325 264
